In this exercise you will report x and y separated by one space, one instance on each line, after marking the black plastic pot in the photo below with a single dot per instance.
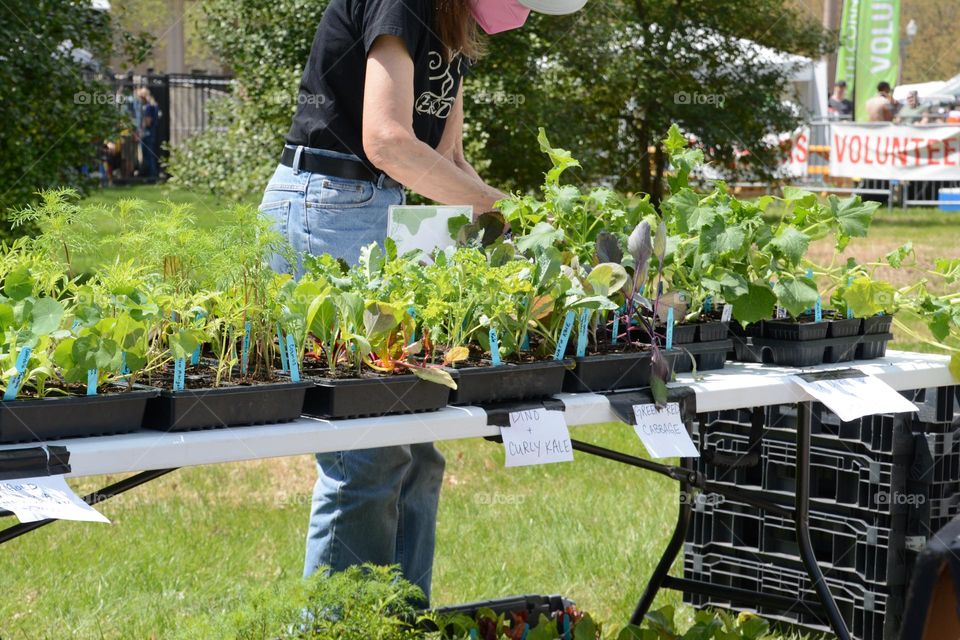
373 397
876 324
796 331
712 331
508 382
790 353
73 416
612 371
234 406
684 333
873 346
708 356
842 328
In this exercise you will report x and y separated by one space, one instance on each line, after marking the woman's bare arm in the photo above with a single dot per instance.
391 145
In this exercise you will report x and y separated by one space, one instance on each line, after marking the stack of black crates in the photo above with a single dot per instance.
879 487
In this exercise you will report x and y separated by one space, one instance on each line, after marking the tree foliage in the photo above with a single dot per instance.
606 83
55 110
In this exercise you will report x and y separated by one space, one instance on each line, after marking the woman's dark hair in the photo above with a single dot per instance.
457 28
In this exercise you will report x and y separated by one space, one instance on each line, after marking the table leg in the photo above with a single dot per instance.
802 521
107 492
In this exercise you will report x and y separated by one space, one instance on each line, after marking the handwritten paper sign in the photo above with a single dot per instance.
852 394
33 499
536 436
662 431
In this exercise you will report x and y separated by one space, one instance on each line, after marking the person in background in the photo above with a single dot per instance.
881 107
149 119
839 107
913 112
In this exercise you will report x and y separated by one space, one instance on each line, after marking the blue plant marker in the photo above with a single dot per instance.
810 273
526 632
245 348
494 347
566 627
75 325
282 348
708 304
818 310
564 336
669 344
413 314
473 634
179 374
195 357
92 375
292 359
615 331
525 346
582 335
124 369
13 387
849 308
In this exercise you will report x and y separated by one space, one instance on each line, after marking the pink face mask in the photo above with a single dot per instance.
495 16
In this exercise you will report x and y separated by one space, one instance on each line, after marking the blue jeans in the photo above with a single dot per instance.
369 505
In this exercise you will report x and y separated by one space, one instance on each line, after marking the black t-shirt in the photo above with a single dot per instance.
330 102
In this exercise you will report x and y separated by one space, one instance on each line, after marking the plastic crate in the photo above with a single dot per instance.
871 612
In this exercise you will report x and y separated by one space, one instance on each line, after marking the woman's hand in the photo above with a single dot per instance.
391 145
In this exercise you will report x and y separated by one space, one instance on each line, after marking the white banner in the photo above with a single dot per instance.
895 152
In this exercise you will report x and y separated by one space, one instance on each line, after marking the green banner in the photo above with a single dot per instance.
877 52
847 53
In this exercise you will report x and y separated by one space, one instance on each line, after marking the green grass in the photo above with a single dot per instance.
194 543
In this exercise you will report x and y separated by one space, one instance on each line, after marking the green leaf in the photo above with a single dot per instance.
955 365
674 141
798 195
852 215
756 304
561 158
46 316
792 244
542 236
18 284
731 239
658 389
868 297
379 318
796 295
607 277
586 629
938 323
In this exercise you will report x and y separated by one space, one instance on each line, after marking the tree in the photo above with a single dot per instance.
608 82
55 109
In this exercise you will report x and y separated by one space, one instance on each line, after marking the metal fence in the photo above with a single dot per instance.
182 101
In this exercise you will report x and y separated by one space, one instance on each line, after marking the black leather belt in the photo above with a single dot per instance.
335 167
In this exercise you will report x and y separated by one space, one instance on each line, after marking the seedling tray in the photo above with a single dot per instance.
41 419
873 346
508 382
786 330
810 353
234 406
843 327
709 356
712 331
876 324
612 371
373 397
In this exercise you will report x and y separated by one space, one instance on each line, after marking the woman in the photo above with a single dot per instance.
380 106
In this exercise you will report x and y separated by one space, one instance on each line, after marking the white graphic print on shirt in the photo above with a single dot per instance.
439 105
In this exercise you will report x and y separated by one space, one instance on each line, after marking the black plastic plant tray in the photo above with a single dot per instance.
612 371
790 353
41 419
876 324
842 328
843 349
508 382
684 333
234 406
712 331
795 331
709 356
873 346
373 397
